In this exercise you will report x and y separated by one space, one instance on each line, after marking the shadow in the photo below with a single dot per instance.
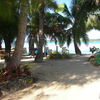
60 79
16 87
76 71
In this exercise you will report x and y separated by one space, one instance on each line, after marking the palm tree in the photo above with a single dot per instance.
77 29
21 33
32 30
42 6
8 32
55 27
39 56
13 63
78 15
8 23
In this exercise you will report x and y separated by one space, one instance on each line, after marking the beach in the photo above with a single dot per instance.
72 79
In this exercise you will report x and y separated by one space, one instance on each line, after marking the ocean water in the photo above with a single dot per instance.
85 49
51 45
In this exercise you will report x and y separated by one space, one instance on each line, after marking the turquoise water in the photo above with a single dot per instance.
84 48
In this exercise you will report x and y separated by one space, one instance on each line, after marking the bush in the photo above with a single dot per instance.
57 55
93 49
94 60
66 56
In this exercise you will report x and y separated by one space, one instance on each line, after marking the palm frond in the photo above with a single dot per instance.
60 8
6 9
93 22
51 4
76 5
66 11
85 38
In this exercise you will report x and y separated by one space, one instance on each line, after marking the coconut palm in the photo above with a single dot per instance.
8 23
33 29
39 56
21 33
13 63
78 15
76 30
42 6
55 27
8 33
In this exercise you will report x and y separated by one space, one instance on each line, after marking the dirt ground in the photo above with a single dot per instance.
73 79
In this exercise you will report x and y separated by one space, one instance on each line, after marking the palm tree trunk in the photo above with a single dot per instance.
74 31
0 43
21 34
14 62
31 43
7 48
77 50
39 56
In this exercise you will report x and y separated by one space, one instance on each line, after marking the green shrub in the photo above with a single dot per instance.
66 56
57 55
93 49
94 60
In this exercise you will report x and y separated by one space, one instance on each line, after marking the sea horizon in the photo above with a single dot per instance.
85 49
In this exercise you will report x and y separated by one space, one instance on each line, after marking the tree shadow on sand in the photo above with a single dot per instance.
76 71
56 77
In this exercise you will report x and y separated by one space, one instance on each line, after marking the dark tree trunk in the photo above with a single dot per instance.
77 50
31 43
39 56
7 49
75 35
21 34
0 43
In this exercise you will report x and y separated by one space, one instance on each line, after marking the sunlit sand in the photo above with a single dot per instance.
73 79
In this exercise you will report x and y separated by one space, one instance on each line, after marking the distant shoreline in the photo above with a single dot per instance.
94 40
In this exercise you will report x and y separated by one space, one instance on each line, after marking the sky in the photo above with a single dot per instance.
93 34
64 1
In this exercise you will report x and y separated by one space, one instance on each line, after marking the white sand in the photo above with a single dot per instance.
73 79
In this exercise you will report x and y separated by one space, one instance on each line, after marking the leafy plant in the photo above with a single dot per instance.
57 55
93 49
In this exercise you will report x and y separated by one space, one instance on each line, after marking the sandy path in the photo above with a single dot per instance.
73 79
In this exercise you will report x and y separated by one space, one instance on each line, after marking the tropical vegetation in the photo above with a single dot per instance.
41 19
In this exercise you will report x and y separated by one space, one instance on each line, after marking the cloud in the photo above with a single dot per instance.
94 34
